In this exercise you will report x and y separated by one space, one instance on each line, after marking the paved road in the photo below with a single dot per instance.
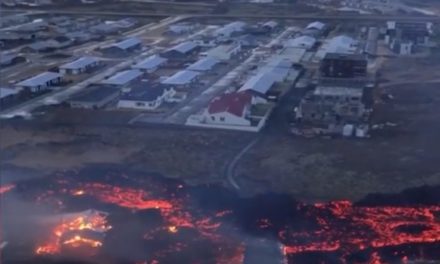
243 15
230 175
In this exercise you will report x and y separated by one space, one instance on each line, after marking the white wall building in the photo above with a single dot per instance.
230 109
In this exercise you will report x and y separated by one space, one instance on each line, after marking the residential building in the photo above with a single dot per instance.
181 28
41 82
328 105
335 65
228 30
80 65
204 64
7 95
259 86
145 97
306 42
7 59
95 97
124 78
181 51
150 64
224 52
405 37
123 47
229 109
182 79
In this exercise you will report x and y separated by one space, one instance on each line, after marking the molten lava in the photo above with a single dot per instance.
6 188
347 228
67 232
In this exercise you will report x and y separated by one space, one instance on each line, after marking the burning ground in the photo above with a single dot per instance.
113 215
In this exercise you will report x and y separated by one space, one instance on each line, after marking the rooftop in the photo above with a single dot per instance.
80 63
4 92
150 62
337 91
144 92
234 103
181 78
184 47
260 83
40 79
204 64
94 93
123 77
127 43
341 56
316 25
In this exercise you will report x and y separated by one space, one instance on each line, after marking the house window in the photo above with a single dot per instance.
140 104
213 118
222 118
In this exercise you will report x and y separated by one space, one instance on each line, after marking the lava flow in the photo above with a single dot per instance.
73 230
346 228
179 224
6 188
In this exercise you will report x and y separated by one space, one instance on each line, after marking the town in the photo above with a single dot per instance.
221 75
236 131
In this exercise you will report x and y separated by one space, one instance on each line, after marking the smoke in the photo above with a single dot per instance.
20 217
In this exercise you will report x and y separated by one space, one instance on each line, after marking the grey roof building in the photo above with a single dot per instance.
41 81
80 65
181 78
123 78
204 64
95 97
151 63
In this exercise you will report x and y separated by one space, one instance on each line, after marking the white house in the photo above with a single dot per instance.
145 97
230 109
79 66
224 52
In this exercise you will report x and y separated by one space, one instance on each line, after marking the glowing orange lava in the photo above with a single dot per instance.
66 233
6 188
364 227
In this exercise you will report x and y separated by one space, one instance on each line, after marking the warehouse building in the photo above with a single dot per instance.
41 82
95 97
150 64
80 65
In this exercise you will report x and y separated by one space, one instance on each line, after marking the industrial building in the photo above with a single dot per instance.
95 97
150 64
80 65
145 96
41 82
